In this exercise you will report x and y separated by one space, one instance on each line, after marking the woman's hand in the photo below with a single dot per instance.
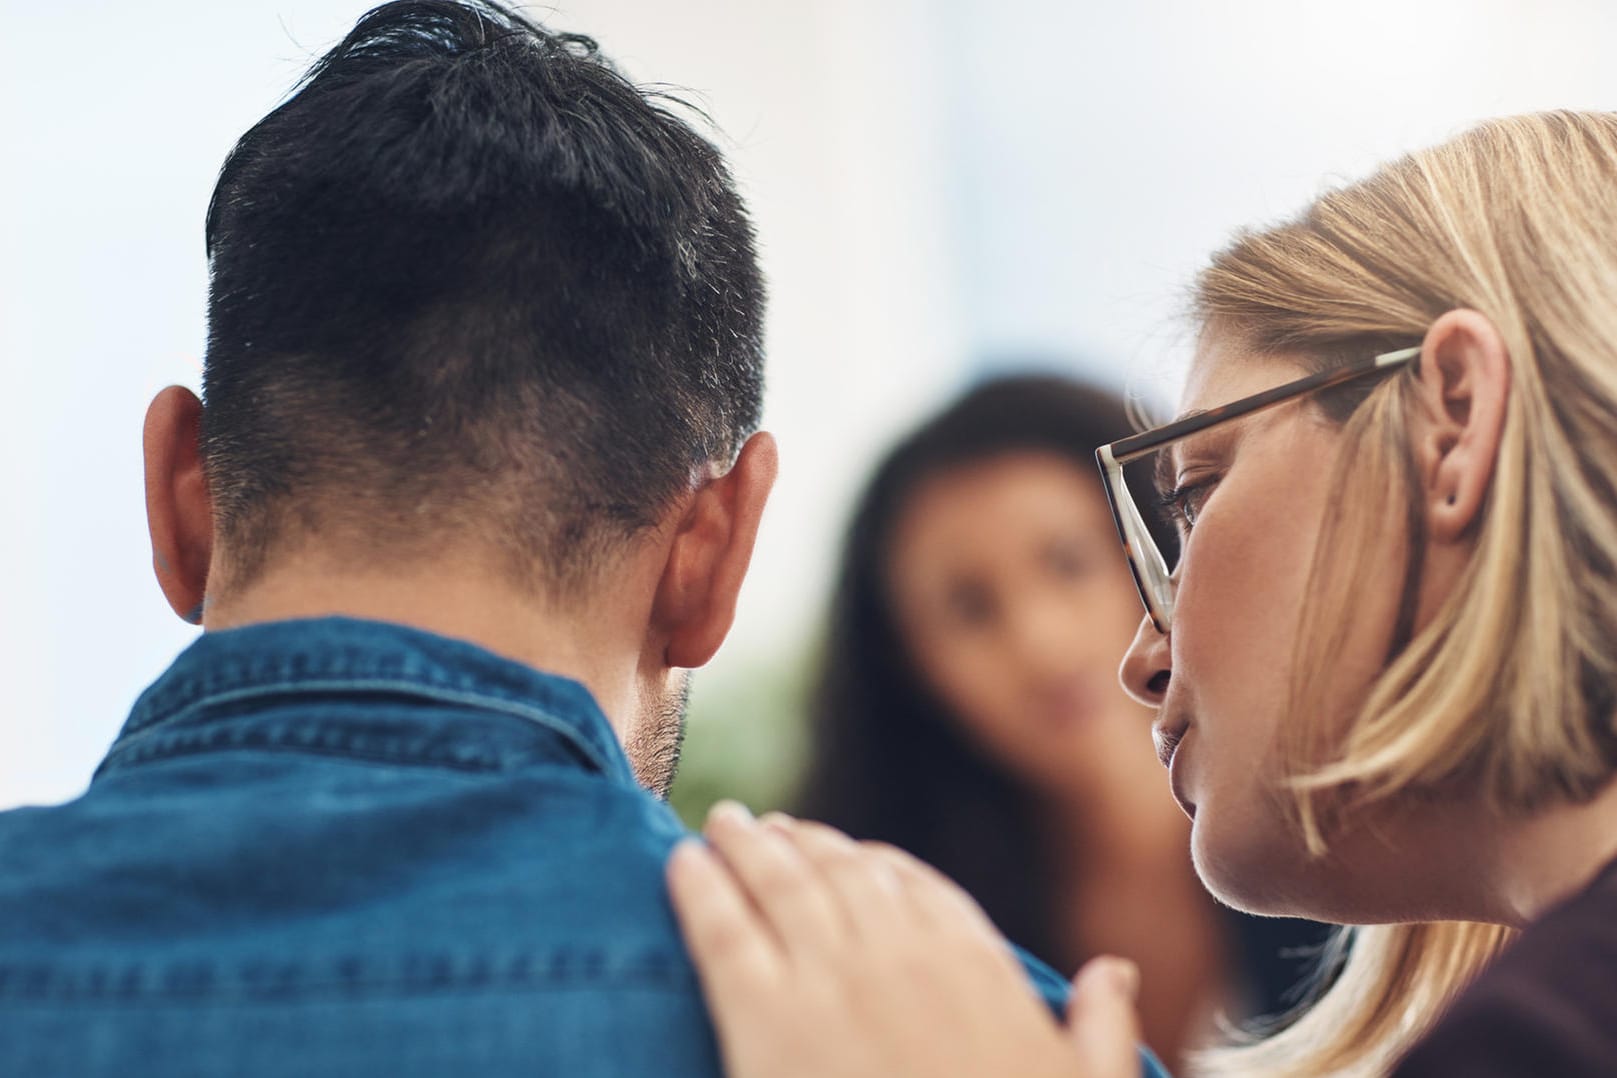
823 957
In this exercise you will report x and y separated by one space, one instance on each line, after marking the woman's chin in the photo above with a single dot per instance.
1249 870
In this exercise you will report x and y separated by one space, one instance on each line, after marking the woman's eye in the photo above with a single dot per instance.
1067 560
1184 503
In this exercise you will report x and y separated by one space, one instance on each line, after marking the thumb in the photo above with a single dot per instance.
1102 1022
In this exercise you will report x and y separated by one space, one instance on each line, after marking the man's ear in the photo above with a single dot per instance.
708 558
179 512
1465 375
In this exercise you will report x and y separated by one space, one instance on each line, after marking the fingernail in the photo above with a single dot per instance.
689 861
688 849
1108 973
776 821
1125 978
734 811
889 880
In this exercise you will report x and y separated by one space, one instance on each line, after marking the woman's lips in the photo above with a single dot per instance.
1169 739
1065 705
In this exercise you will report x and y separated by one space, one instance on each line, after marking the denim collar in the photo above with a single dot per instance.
336 656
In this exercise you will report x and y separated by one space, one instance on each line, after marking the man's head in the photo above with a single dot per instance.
469 271
473 296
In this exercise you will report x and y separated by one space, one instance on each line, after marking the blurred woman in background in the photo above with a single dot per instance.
968 708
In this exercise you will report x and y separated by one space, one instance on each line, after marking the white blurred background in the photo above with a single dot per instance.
942 189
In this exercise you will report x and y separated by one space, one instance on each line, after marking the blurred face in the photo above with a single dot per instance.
1257 489
1013 596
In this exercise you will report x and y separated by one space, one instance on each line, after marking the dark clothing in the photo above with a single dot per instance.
1547 1008
1277 960
339 847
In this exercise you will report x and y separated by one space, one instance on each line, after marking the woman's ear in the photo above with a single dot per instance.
1465 376
179 512
712 547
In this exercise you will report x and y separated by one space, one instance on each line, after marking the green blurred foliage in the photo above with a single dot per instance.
745 737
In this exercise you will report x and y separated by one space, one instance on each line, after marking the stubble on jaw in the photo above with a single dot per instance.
657 737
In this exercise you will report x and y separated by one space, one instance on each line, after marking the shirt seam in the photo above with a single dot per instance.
268 982
510 708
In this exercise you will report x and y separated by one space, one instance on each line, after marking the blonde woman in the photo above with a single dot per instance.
1384 667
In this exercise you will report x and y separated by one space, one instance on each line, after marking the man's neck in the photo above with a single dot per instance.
469 605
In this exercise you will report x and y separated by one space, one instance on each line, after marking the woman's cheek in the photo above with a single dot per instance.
961 670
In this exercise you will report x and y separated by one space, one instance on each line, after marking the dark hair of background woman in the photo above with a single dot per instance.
887 759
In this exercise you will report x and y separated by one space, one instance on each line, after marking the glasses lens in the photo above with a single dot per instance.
1151 485
1149 535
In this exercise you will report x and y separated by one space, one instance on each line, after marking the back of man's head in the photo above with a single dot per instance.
468 281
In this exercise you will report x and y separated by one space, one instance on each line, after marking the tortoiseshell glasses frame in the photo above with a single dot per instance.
1151 574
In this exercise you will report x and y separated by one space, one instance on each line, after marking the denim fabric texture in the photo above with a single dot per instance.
339 847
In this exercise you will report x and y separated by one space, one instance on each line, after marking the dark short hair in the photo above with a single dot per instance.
888 759
468 277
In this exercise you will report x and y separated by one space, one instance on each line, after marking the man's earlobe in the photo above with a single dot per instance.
179 511
711 551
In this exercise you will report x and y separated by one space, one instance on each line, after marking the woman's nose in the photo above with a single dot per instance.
1146 668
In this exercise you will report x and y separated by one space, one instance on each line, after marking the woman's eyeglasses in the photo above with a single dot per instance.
1152 575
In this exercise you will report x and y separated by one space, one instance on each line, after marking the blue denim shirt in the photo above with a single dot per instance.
339 847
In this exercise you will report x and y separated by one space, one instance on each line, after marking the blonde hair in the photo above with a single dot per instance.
1509 688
